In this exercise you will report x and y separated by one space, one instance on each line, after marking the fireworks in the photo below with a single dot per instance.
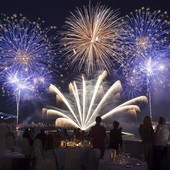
88 101
145 43
145 31
26 48
90 38
18 83
152 68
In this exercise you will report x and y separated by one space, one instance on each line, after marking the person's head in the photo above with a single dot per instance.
42 131
27 131
49 142
98 120
162 120
65 131
147 120
83 132
115 124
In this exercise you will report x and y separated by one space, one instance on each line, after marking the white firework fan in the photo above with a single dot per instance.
87 102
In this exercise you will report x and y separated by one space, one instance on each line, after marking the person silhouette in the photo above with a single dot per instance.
146 133
160 149
115 137
98 134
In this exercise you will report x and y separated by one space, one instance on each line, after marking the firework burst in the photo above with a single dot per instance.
145 30
27 48
144 47
87 101
18 83
89 40
151 67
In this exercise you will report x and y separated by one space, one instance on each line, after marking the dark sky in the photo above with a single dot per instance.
54 12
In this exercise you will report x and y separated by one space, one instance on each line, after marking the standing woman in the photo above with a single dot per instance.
146 133
115 137
161 144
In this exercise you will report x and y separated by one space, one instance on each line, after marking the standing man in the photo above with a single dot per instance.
98 134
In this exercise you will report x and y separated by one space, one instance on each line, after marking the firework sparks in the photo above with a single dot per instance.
147 72
26 47
145 43
146 30
89 41
152 66
18 83
89 101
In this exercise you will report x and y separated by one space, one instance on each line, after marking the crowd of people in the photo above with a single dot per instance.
155 141
38 147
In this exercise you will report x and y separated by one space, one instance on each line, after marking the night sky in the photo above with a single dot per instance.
54 12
